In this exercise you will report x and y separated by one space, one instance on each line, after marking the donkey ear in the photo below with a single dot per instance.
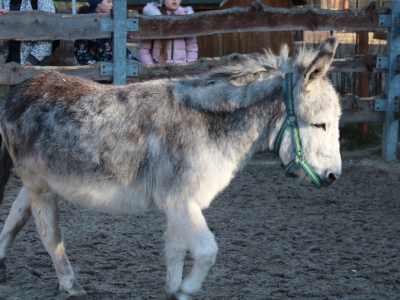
321 63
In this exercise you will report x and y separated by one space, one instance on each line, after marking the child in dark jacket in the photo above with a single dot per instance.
88 52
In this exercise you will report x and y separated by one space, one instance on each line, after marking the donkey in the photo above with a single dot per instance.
170 144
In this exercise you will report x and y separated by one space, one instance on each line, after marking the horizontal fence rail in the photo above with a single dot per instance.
34 25
13 73
362 109
354 108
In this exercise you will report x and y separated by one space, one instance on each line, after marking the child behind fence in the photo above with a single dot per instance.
30 53
168 50
88 52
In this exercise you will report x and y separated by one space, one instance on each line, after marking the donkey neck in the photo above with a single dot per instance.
239 116
222 94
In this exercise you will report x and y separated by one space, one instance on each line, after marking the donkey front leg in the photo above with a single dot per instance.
175 251
189 227
16 220
44 206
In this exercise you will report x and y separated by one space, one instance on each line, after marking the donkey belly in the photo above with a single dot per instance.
101 194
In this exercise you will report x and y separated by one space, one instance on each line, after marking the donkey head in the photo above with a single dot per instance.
314 149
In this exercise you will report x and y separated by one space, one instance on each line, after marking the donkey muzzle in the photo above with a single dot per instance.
329 179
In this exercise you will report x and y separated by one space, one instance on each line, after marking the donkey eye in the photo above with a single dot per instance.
322 126
315 73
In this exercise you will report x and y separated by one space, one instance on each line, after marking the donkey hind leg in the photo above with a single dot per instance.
17 218
44 206
188 223
5 168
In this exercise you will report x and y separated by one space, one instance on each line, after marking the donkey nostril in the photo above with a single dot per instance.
332 177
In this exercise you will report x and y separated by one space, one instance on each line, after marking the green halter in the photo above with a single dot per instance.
292 122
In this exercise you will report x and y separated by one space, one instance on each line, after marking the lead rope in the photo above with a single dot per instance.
291 121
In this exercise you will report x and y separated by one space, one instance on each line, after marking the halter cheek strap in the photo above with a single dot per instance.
291 121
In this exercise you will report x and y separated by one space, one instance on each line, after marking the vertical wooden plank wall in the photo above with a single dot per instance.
245 42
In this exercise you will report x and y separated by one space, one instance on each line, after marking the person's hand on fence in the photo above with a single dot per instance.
3 11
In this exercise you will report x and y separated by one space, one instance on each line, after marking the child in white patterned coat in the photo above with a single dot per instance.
30 53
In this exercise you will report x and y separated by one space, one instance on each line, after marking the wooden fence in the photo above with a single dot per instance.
35 25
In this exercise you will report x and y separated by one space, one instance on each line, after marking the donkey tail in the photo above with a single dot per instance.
5 167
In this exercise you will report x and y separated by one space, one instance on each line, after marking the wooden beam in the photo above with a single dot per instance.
358 63
362 109
354 109
39 25
35 25
258 17
13 73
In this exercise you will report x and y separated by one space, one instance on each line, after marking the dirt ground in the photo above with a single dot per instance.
278 238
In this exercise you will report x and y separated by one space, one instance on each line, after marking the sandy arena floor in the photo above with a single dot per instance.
278 239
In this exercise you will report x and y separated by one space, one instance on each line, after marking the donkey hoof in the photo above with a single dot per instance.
74 290
3 273
80 297
179 296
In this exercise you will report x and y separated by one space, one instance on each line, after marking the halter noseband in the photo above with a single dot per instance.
291 121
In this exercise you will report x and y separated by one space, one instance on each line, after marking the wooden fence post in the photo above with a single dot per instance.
362 89
392 83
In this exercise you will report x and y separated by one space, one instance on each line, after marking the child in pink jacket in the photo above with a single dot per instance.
163 50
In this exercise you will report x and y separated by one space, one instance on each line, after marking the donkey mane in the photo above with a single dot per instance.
251 80
249 68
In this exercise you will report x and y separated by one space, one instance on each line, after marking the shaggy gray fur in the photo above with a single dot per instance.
168 144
